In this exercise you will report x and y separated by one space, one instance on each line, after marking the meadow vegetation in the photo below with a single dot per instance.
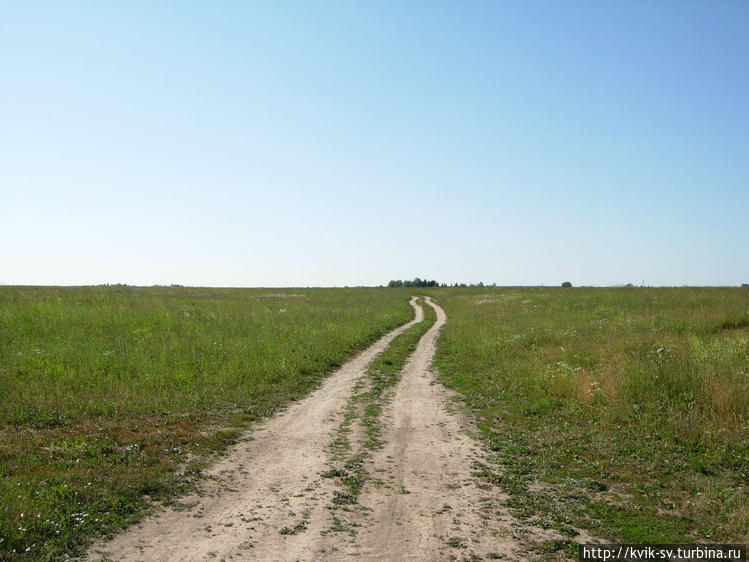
112 396
623 412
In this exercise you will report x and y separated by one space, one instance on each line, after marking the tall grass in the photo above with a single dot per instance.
107 392
637 397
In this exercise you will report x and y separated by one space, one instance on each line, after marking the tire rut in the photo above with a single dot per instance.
431 506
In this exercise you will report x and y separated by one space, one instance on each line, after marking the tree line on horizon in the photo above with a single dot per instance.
415 283
424 283
418 282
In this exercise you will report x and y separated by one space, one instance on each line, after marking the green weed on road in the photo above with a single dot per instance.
365 407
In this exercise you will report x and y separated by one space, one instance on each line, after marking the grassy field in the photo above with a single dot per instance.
624 412
109 394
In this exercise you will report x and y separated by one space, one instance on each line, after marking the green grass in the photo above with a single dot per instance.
115 395
622 411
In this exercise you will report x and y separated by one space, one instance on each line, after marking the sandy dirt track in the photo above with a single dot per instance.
268 500
430 506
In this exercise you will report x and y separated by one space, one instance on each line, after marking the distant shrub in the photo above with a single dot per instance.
566 284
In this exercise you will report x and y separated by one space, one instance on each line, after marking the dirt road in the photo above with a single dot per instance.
269 499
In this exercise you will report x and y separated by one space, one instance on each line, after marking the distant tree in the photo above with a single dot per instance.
566 284
745 285
418 282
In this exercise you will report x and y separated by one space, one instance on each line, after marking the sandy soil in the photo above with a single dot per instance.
268 500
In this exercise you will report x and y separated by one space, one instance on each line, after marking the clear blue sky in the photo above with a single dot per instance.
333 143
